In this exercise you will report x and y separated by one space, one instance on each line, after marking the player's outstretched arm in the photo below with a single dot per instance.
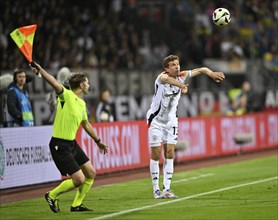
48 77
216 76
164 78
90 131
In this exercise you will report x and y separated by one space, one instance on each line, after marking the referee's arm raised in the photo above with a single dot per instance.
48 77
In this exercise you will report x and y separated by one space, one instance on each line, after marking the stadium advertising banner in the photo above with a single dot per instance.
205 136
127 142
25 157
219 136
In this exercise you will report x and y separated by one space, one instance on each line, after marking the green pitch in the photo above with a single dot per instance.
244 190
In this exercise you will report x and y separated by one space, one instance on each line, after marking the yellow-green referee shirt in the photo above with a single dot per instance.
71 111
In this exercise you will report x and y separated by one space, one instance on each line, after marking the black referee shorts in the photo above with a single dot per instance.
67 155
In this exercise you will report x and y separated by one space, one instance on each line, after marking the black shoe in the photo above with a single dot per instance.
80 208
53 203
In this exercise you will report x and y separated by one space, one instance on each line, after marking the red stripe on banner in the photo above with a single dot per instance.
206 137
127 142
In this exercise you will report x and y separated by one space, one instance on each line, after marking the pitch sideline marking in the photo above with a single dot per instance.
182 199
193 178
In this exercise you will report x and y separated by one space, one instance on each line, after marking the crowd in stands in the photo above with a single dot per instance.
138 34
105 34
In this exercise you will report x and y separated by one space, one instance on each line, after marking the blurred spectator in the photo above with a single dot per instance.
213 47
243 100
111 27
131 34
5 80
160 51
18 102
238 100
105 111
270 62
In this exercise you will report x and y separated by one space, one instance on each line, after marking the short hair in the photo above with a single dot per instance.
17 71
168 59
76 78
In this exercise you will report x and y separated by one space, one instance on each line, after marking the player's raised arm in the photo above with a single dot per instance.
216 76
48 77
164 78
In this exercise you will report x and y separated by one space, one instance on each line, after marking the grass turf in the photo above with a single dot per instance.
197 191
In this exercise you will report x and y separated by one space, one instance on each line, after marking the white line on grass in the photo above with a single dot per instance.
193 178
182 199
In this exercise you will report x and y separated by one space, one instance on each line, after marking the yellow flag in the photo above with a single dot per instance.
24 37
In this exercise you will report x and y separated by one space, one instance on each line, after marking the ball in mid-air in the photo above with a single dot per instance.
221 16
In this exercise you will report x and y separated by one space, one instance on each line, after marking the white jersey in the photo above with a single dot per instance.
165 102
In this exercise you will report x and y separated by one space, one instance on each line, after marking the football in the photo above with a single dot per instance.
221 16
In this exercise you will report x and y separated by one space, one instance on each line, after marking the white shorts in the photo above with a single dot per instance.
164 133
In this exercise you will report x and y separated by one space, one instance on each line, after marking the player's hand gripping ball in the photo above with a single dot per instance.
221 16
